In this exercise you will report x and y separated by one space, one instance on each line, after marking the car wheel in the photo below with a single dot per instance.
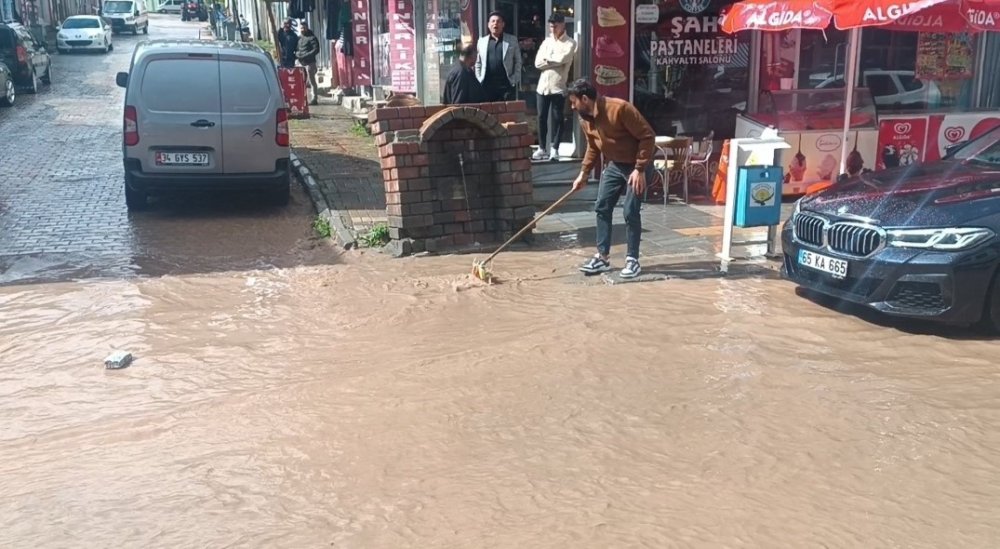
145 29
9 94
33 83
135 200
991 310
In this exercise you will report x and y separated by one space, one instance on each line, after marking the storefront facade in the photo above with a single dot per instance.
688 76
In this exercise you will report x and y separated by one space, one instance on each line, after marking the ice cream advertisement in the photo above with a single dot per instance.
611 40
901 142
815 156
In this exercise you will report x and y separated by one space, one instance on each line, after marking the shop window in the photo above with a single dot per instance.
910 71
689 76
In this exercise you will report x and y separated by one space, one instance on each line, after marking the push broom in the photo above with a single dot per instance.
481 270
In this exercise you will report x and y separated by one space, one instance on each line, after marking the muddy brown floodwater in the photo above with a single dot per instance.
394 403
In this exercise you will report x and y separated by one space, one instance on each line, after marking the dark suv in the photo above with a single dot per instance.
26 57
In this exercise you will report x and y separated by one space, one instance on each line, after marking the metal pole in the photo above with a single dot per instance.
850 82
753 64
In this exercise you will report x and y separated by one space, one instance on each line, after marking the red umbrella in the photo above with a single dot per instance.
850 14
776 15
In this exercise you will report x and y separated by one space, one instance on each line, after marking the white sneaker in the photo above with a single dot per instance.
632 268
554 154
540 154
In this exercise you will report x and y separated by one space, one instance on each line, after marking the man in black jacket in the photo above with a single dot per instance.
462 86
289 44
306 53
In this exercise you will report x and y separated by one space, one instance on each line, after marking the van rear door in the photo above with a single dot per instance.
178 104
250 103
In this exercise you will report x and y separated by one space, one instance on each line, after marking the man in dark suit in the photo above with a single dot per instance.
461 85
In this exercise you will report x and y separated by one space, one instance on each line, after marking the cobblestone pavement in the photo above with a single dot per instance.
344 164
62 205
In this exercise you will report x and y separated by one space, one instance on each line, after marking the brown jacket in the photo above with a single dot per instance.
620 133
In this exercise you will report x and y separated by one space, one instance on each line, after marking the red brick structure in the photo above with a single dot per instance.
454 175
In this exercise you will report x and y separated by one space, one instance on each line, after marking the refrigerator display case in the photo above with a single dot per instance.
812 122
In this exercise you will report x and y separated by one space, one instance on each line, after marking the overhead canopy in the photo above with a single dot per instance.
917 15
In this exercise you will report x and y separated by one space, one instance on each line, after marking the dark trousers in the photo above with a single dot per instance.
614 182
498 91
553 105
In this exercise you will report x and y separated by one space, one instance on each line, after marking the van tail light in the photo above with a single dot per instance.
281 128
131 127
22 55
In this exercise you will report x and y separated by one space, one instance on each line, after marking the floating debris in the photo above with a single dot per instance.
118 360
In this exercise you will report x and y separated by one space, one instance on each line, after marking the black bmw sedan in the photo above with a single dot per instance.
917 241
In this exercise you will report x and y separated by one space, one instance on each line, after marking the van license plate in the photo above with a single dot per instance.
831 265
182 159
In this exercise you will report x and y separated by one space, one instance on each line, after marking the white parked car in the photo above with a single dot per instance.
84 32
894 89
171 6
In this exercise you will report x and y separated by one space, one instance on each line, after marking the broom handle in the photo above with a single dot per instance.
555 205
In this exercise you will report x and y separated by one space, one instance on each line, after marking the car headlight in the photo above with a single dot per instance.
946 239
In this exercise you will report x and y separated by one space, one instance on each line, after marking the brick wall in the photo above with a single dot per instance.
454 175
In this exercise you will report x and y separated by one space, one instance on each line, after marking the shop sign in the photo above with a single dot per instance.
402 46
293 88
647 14
688 44
901 142
362 59
611 39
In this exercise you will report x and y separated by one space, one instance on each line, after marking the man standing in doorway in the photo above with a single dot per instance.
498 63
615 129
554 59
308 50
461 86
289 44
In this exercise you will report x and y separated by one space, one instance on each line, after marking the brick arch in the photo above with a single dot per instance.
483 120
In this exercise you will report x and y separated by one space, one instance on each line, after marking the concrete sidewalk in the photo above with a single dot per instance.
341 169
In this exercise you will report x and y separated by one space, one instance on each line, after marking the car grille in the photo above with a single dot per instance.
917 295
78 43
809 228
853 239
845 237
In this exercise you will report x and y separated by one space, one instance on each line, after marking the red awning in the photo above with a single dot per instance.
914 15
776 15
982 15
849 14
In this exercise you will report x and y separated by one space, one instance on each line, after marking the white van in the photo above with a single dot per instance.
126 15
203 116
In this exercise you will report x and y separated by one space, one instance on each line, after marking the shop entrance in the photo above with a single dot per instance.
528 21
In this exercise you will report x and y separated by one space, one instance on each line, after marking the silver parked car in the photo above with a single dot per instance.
203 115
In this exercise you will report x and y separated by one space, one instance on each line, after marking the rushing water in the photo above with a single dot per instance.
397 403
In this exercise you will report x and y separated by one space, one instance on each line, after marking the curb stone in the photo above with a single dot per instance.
322 206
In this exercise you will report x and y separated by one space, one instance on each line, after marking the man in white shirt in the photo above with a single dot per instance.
554 58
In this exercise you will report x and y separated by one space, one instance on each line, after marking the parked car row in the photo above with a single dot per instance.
24 63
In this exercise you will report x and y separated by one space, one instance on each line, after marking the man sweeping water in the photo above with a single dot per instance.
615 129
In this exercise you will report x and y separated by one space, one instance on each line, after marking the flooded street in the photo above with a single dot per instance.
396 403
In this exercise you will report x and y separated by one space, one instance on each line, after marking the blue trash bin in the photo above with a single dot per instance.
758 196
